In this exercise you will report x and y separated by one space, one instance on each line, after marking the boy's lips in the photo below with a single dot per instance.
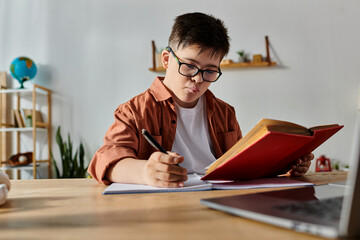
194 89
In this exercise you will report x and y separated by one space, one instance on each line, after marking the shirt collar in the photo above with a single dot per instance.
159 90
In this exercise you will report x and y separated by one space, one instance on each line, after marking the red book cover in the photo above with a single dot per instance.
270 155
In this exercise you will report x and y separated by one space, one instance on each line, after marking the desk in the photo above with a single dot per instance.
76 209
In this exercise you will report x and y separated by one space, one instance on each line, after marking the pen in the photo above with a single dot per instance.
152 141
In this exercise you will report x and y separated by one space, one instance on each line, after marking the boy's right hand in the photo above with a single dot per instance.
161 170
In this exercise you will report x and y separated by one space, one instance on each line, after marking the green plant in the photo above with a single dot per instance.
241 53
72 166
336 165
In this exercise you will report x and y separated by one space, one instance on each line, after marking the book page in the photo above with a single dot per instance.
323 127
274 182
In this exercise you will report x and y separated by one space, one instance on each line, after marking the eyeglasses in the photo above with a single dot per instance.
190 70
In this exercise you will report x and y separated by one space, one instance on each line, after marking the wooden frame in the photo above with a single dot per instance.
5 119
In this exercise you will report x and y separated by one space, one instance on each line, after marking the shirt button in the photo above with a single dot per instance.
173 121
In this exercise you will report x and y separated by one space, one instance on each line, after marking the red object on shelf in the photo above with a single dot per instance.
323 164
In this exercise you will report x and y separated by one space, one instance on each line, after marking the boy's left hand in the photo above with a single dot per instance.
301 165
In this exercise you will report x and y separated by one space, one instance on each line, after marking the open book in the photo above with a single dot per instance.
194 183
268 150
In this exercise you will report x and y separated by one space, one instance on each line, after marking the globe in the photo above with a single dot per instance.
23 69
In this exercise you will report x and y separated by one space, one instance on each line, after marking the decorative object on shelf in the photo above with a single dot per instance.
336 165
257 58
241 56
28 121
27 114
21 159
23 69
226 61
72 166
323 164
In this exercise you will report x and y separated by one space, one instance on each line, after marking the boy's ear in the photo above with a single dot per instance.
165 58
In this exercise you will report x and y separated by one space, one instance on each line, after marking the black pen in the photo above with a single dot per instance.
152 141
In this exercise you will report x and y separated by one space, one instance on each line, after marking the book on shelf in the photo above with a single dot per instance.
19 122
269 149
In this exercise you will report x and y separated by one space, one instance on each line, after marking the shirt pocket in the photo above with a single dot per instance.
226 140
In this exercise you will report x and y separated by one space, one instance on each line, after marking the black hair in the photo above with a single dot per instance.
200 29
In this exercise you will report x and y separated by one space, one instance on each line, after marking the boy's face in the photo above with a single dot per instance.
187 90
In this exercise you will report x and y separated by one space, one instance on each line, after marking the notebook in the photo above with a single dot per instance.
331 210
194 183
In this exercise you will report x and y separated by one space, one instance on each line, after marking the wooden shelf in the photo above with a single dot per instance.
231 65
29 167
235 65
250 64
24 90
17 129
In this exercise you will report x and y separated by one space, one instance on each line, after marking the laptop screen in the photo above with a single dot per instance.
350 217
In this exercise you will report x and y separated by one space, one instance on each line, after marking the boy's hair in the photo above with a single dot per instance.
200 29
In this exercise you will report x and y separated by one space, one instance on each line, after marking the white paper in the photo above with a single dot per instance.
194 183
274 182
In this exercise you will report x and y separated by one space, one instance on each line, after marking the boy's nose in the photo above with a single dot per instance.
198 78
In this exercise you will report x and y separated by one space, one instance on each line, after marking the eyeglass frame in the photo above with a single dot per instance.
169 49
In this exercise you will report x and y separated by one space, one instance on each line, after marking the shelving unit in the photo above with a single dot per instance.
235 65
37 126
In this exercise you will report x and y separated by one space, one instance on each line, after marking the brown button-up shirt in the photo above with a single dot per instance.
154 110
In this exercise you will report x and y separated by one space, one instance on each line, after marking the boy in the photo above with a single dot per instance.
179 111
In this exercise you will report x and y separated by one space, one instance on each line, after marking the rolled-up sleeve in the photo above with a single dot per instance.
120 141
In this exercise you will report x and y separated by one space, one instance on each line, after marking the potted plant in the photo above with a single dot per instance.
241 56
72 165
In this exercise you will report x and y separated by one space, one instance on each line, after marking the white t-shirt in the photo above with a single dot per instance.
192 139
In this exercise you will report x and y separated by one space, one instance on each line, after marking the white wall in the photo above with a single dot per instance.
95 55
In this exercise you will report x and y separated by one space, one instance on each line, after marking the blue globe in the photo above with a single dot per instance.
23 69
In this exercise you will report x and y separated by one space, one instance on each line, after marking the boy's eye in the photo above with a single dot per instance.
210 73
188 68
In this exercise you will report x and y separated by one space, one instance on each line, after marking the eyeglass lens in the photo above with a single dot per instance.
191 70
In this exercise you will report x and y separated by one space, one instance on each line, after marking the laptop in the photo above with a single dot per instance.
331 210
